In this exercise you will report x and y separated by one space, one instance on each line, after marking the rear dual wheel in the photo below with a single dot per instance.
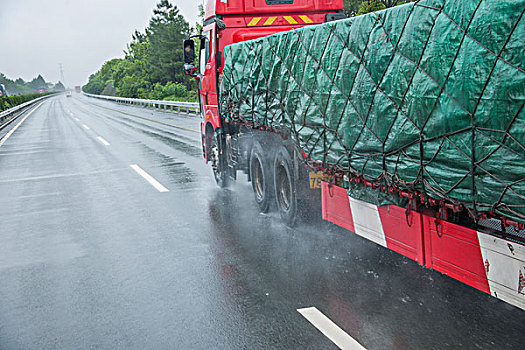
262 178
273 180
285 187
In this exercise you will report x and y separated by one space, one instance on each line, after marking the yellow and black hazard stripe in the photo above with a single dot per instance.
268 21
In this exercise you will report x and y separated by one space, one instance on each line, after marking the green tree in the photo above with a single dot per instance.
106 75
392 3
370 6
94 85
200 19
360 7
351 7
153 60
20 87
37 83
59 87
135 87
167 29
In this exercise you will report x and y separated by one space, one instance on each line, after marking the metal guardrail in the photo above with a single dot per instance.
9 111
188 107
6 116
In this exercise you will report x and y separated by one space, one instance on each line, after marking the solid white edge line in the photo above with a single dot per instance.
8 135
104 142
85 126
330 329
149 178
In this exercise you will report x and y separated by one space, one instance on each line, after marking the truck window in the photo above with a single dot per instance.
205 51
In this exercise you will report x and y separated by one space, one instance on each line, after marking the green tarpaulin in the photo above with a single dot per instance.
426 96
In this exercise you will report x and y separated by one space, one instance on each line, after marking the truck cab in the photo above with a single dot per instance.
231 21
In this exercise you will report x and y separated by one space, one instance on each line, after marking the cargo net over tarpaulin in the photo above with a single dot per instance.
426 97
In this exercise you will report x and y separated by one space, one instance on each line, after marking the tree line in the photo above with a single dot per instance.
152 67
21 87
361 7
7 102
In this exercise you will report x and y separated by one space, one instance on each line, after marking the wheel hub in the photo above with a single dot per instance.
258 180
284 189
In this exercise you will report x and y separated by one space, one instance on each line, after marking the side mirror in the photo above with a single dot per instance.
189 51
191 70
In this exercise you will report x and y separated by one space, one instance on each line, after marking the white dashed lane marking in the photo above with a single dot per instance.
149 178
104 142
330 329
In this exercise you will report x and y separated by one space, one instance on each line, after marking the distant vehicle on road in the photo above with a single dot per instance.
2 90
69 94
77 89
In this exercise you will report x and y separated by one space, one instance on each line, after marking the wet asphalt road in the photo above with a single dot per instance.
92 256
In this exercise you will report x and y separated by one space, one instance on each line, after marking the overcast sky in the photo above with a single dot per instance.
37 35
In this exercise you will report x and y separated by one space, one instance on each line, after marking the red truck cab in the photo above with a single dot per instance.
231 21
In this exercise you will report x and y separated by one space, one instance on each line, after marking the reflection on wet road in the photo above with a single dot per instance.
114 236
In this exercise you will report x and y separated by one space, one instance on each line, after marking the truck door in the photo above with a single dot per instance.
207 69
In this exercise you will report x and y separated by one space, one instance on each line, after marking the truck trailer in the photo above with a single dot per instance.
406 125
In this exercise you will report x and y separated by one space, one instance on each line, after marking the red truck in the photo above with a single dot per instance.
479 254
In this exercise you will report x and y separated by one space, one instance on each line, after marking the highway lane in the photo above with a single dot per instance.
113 236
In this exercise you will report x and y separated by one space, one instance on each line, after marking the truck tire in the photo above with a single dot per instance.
218 162
285 187
261 176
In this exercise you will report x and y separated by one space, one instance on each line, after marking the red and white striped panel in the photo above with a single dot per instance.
387 226
505 265
490 264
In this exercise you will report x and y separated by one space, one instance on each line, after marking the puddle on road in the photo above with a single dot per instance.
176 170
181 173
179 142
178 145
176 141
